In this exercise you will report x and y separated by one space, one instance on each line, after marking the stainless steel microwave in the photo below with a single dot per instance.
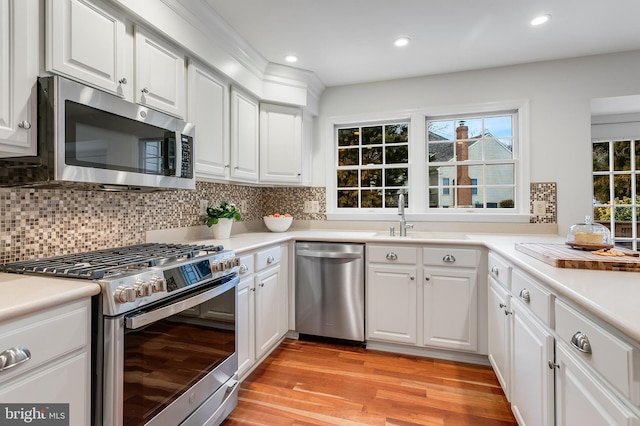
89 139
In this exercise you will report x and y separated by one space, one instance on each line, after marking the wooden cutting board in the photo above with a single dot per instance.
563 256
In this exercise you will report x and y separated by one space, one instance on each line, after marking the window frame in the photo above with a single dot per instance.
418 210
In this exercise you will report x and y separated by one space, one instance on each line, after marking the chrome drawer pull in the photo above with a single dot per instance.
270 259
392 256
243 269
524 295
13 357
580 341
495 270
24 125
553 365
502 305
448 258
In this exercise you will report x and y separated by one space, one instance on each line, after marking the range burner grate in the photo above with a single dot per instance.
98 264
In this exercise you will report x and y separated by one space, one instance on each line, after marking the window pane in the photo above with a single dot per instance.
371 177
347 178
622 186
601 189
602 215
473 131
637 143
463 150
622 155
348 156
440 130
440 152
391 197
396 154
623 213
499 174
395 133
371 198
498 149
348 198
396 177
498 126
502 197
601 157
348 137
371 135
372 155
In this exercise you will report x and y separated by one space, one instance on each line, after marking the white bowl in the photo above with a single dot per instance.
278 224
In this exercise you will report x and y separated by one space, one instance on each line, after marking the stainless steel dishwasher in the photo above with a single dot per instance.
330 290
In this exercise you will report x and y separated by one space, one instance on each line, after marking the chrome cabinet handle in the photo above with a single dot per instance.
392 256
24 125
508 312
123 80
412 278
553 365
13 357
580 341
270 259
243 269
524 295
495 270
448 258
261 284
502 305
145 90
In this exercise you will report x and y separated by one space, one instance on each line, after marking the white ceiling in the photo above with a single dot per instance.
351 41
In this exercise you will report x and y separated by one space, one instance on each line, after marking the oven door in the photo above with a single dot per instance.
164 362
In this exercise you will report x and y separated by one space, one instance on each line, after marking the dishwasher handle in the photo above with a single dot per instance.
328 254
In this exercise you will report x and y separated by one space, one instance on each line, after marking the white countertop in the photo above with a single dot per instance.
25 294
613 297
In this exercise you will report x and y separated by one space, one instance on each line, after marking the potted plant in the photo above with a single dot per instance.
220 219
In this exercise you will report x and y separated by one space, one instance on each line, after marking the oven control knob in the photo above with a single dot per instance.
158 284
124 294
142 289
217 266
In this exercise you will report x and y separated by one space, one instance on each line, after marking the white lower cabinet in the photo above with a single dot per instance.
499 323
581 399
262 305
531 378
392 303
59 367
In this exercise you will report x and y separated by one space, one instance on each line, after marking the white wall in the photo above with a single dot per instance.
559 93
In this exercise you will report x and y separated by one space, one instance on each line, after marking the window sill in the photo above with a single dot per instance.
434 217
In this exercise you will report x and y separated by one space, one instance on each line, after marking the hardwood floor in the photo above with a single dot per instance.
309 383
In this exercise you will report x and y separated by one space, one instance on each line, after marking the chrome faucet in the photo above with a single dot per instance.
403 222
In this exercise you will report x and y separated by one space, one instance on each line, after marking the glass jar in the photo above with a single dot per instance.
589 234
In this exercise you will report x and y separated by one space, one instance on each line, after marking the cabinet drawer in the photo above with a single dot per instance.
392 254
500 270
268 257
611 357
247 266
533 295
47 335
442 256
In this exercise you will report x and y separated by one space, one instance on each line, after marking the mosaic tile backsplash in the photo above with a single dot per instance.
49 222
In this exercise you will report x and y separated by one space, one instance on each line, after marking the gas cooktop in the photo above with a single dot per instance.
107 263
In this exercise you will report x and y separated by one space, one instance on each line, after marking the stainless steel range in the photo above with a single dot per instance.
165 331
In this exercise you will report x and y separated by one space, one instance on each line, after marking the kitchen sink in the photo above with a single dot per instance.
425 235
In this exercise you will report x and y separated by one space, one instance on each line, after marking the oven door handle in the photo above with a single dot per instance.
140 320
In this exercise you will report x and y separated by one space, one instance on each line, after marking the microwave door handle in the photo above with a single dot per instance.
168 155
177 140
141 320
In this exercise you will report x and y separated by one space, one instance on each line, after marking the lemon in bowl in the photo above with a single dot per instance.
278 222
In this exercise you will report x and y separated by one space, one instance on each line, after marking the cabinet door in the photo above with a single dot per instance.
208 109
269 319
280 132
392 302
244 137
86 42
160 75
64 381
499 322
582 400
450 309
246 325
19 66
531 378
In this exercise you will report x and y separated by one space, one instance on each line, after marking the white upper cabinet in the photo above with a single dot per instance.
160 74
208 109
19 53
280 144
244 137
86 42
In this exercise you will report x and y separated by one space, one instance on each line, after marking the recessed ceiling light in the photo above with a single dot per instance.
539 20
291 58
402 41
